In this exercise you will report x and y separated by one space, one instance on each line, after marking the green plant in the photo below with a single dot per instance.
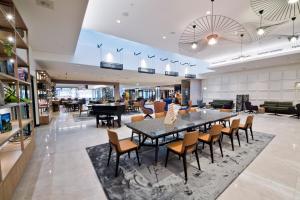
10 95
8 48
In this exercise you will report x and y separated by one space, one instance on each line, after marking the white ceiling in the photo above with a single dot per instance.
53 30
58 70
148 21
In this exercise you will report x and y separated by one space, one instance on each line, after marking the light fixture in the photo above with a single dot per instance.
9 17
213 38
260 30
208 12
118 21
292 1
242 36
12 60
194 44
10 39
164 37
293 38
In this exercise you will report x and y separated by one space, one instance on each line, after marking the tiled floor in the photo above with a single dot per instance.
61 169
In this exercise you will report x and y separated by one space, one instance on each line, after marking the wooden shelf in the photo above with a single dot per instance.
4 137
10 154
20 43
4 76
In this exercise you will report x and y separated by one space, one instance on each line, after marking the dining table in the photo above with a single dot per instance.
156 128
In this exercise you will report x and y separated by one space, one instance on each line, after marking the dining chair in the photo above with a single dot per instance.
247 125
226 120
182 112
159 106
192 110
232 130
121 147
136 118
160 115
182 147
213 135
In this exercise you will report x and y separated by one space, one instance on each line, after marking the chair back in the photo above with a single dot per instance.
182 112
190 141
248 105
144 109
234 126
215 132
249 121
192 110
137 118
113 139
159 106
225 110
160 115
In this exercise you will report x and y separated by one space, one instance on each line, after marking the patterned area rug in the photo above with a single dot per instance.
150 181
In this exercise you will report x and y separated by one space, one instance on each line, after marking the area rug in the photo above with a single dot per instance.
150 181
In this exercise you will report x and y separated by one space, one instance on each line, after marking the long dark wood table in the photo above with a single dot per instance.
155 128
108 109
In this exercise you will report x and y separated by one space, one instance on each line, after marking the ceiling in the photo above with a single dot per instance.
76 72
53 30
147 22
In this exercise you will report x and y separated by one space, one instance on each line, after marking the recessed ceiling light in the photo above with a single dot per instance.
292 1
11 60
260 31
208 12
118 21
164 37
9 17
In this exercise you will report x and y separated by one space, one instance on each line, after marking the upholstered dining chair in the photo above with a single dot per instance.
136 118
192 110
183 147
247 125
233 130
212 136
226 120
121 147
160 115
146 111
159 106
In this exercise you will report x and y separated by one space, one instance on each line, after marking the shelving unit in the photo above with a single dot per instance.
16 145
45 94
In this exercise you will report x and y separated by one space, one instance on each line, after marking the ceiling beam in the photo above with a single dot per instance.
83 82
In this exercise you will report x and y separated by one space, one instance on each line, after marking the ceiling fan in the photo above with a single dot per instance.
261 30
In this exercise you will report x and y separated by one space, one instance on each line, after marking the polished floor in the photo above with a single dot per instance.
61 169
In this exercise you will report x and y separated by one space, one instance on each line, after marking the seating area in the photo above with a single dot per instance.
149 100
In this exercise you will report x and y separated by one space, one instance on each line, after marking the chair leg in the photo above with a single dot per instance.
139 138
128 154
220 145
197 158
231 138
246 131
238 137
229 123
167 156
184 166
109 155
131 136
211 152
137 156
117 165
203 145
252 132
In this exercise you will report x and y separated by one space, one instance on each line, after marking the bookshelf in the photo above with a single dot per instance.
16 144
45 95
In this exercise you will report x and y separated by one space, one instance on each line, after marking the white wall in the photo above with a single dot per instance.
274 83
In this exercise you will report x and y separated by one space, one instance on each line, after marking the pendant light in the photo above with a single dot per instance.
194 44
213 38
260 30
293 38
242 36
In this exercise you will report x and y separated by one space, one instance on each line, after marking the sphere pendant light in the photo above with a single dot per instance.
212 38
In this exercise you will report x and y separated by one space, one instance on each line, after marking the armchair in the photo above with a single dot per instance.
250 108
146 111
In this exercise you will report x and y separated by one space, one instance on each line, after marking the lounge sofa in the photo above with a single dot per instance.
228 104
279 107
